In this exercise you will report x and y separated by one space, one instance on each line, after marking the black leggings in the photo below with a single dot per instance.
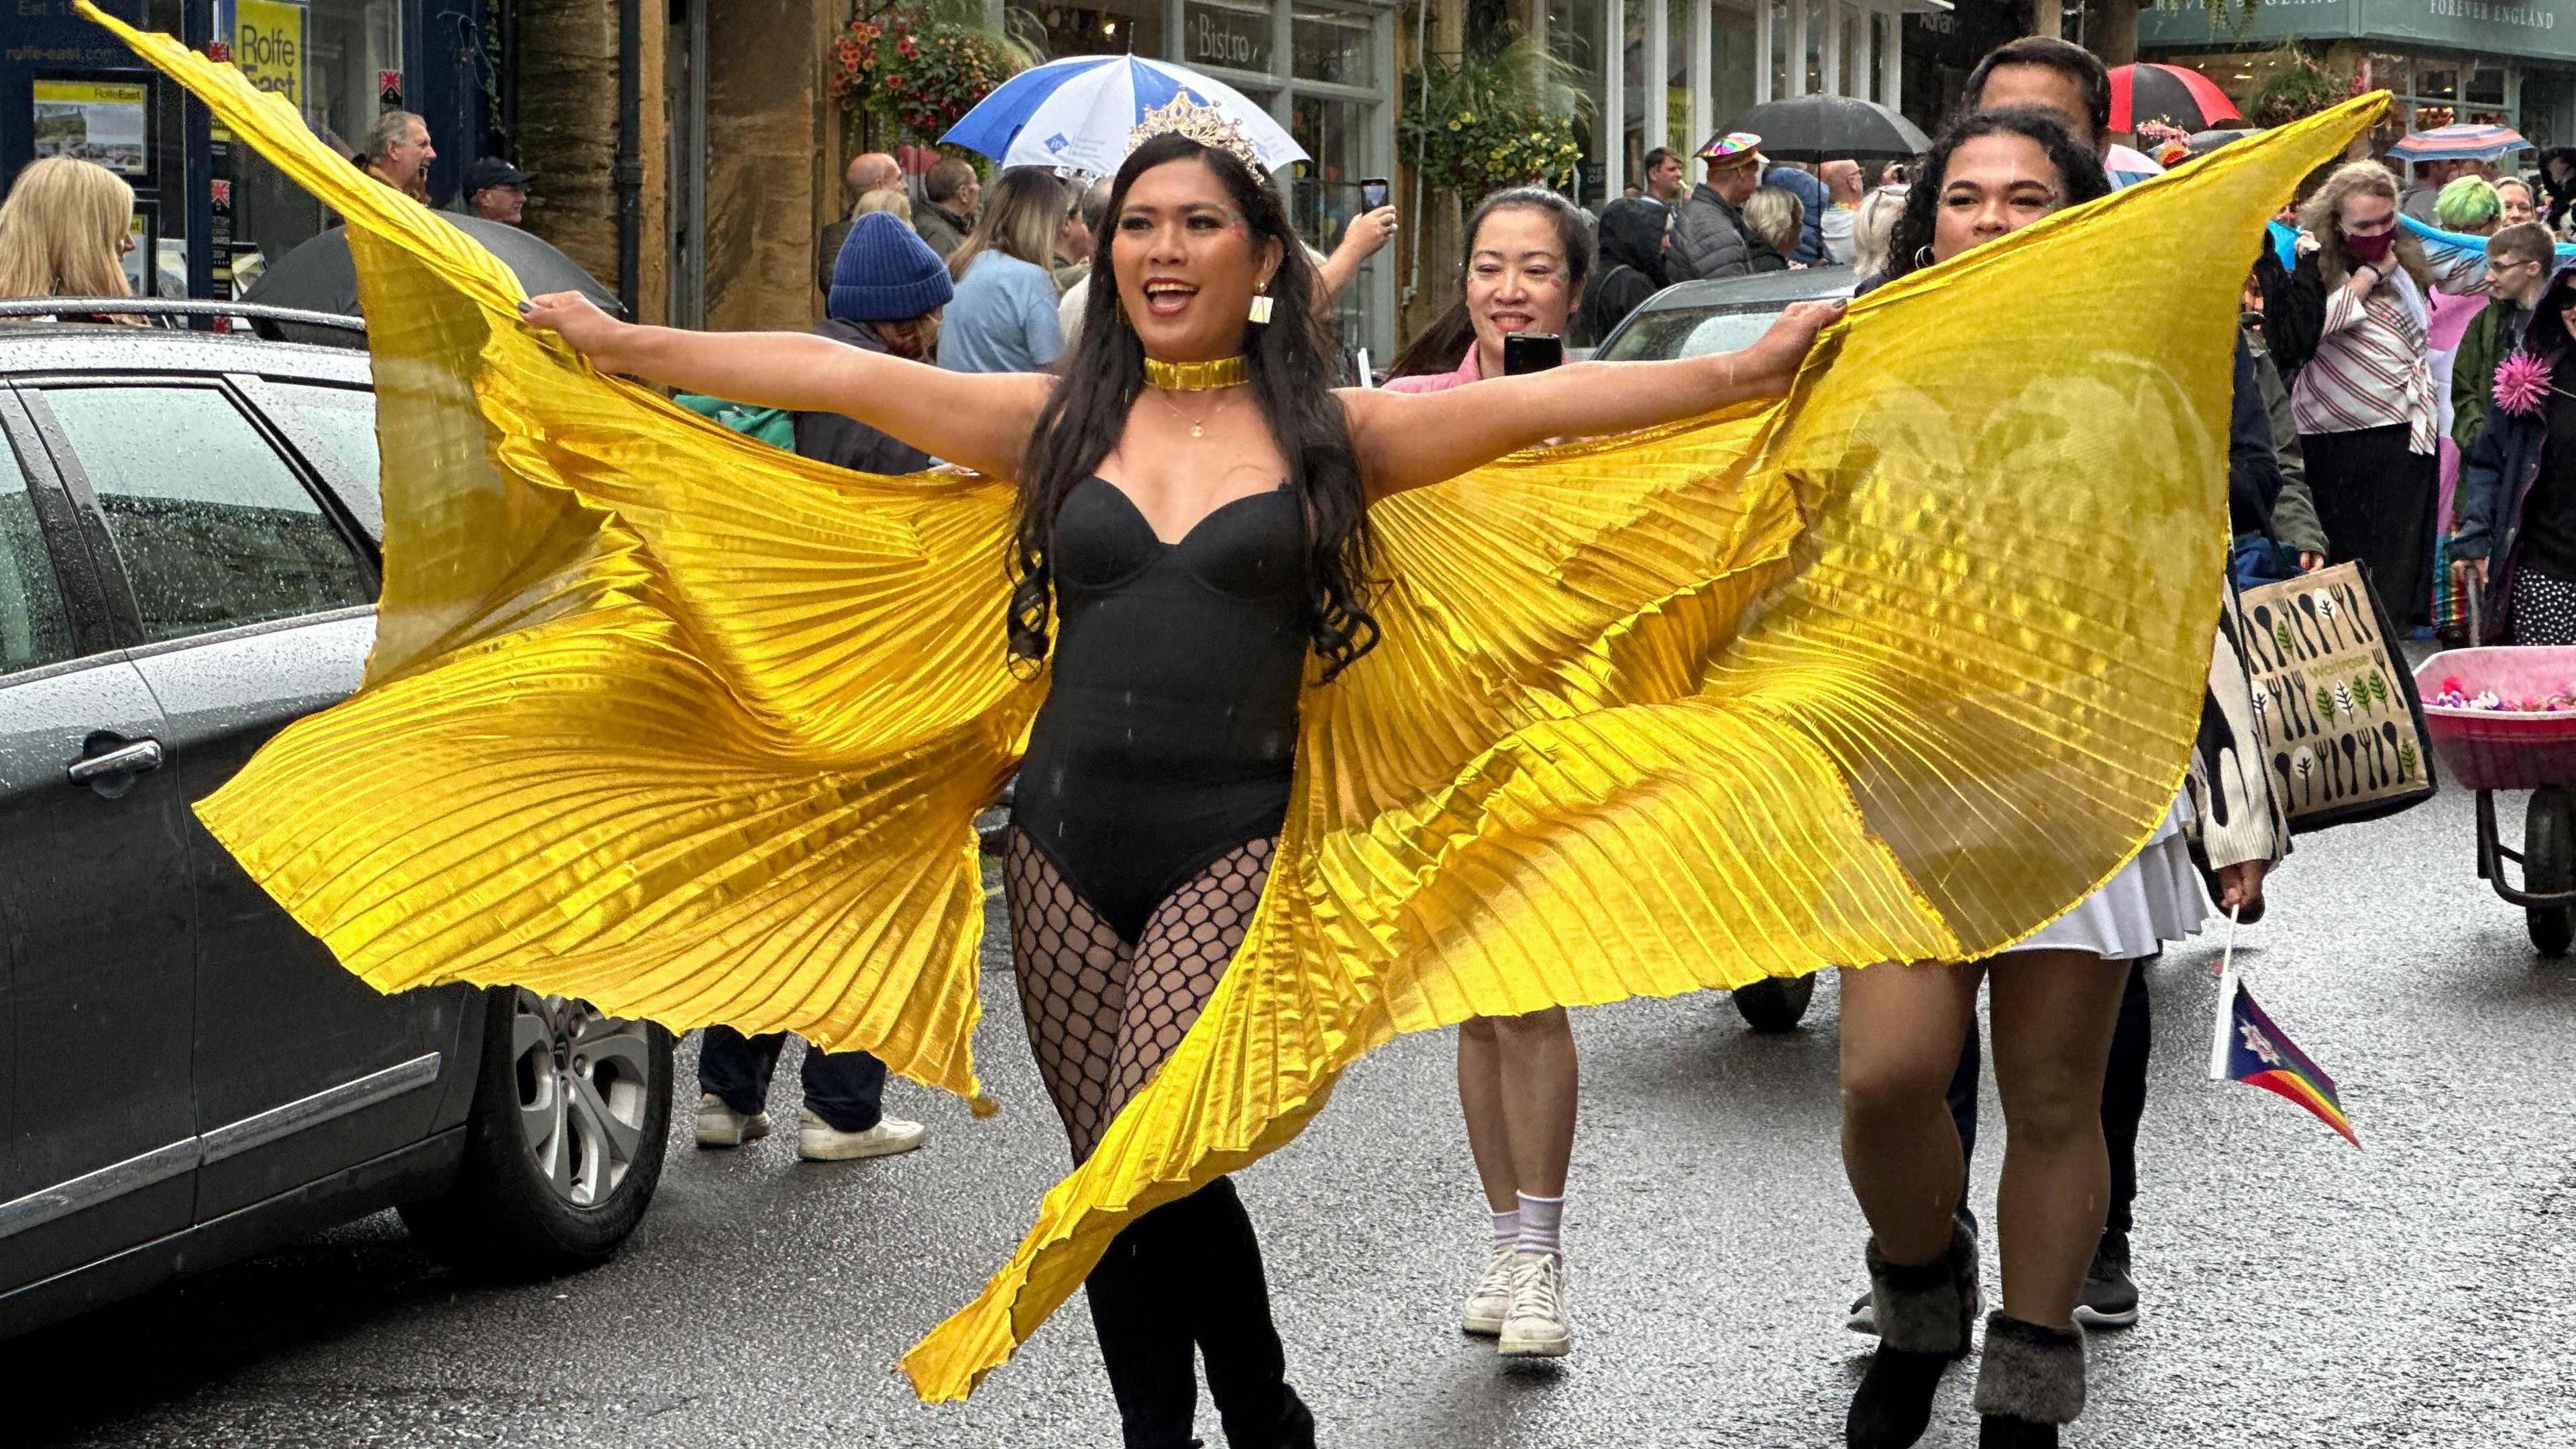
1103 1012
2124 1094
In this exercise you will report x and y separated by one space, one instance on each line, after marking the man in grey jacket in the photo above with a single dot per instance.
1709 240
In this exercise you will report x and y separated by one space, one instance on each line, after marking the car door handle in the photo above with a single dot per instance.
131 758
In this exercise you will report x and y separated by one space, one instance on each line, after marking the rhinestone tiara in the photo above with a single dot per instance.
1208 125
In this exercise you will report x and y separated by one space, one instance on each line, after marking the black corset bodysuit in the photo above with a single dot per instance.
1170 728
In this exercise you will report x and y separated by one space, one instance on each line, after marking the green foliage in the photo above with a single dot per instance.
2298 86
1501 117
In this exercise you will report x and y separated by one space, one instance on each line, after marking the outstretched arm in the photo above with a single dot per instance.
981 420
1413 440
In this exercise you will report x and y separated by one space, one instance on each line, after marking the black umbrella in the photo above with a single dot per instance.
1831 128
320 277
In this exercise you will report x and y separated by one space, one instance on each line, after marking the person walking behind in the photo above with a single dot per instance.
1662 177
2365 402
63 232
2514 195
1631 267
1078 239
1003 319
1527 264
1842 209
399 153
887 289
1776 217
2420 198
495 190
2471 207
2520 259
868 172
1709 239
1808 247
2517 540
2056 997
953 192
1873 226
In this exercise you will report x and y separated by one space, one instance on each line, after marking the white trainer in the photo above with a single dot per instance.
722 1126
1537 1326
1491 1303
820 1141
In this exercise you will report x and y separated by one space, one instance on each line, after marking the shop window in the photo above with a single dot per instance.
1227 36
1333 45
1325 198
1115 27
2437 82
1882 39
1731 88
2486 87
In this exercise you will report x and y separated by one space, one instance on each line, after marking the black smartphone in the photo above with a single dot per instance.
1373 193
1531 352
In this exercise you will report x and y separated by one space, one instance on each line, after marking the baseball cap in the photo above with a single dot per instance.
493 171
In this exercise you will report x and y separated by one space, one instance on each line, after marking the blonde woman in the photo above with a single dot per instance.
888 199
1777 217
1872 228
2366 404
63 232
1004 317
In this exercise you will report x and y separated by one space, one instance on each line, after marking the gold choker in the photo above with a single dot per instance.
1197 376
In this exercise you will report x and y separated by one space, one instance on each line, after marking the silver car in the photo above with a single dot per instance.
1693 319
188 563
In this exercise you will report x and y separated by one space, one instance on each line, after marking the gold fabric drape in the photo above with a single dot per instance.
1900 667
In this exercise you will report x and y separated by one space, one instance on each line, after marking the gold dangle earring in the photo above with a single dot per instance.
1261 305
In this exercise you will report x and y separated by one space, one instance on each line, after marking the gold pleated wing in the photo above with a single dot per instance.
1898 668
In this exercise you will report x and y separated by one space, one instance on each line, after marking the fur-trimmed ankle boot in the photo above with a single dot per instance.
2031 1381
1925 1313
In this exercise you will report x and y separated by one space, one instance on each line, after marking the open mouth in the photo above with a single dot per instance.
1511 321
1167 297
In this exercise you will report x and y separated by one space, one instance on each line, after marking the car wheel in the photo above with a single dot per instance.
563 1146
1775 1004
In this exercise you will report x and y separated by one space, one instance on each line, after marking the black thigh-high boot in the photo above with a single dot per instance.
1144 1336
1229 1315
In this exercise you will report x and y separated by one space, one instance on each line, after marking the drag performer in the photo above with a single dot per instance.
696 730
1193 525
2055 995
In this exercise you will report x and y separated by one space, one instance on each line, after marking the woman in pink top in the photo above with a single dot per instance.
1527 253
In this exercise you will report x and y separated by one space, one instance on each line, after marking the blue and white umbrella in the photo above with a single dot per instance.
1074 114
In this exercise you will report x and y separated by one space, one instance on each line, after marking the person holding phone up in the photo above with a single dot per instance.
1527 254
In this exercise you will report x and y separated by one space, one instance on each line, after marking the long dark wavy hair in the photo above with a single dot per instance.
2079 173
1443 345
1291 382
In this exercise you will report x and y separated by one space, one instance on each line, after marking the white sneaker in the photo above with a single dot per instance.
1491 1303
820 1141
722 1126
1537 1326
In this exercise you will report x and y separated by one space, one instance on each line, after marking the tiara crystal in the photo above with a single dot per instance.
1208 125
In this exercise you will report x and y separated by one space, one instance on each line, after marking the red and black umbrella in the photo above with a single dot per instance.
2183 99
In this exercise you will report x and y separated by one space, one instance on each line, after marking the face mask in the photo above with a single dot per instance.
2372 250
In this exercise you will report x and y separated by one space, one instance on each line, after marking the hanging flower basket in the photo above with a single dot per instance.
1479 122
915 73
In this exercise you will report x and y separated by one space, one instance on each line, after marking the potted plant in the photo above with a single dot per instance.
1500 117
917 67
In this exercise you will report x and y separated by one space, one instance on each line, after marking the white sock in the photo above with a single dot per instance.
1541 1221
1507 1228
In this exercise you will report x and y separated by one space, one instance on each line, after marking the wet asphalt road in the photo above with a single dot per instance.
2296 1291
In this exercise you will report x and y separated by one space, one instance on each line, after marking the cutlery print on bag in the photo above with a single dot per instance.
2336 715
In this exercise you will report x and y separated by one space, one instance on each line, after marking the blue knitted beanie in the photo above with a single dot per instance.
885 273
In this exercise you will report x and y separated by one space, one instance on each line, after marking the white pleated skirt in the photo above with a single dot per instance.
2155 899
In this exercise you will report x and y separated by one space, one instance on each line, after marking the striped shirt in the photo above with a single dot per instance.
2371 369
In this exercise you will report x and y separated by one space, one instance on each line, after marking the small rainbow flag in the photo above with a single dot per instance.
2252 1050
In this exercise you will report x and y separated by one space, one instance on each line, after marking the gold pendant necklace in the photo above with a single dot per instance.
1198 429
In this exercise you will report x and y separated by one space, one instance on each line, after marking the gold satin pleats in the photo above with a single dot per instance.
1900 667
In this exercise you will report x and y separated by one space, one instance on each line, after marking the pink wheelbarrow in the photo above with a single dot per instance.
2490 749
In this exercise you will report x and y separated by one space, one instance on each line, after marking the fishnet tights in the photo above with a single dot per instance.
1103 1014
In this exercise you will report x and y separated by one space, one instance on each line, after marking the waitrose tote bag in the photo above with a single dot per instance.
2335 706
